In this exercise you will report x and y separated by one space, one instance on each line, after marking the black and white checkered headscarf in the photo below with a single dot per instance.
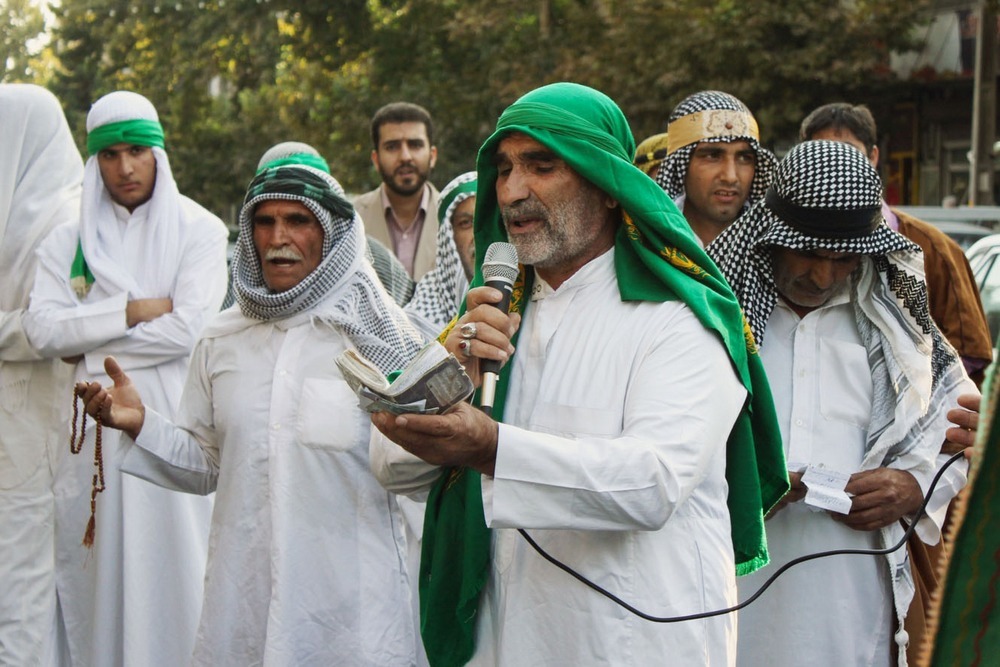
360 306
815 179
440 292
826 195
673 169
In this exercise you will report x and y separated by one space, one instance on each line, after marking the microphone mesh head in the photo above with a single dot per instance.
500 262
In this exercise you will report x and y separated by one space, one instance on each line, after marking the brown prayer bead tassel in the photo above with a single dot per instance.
75 446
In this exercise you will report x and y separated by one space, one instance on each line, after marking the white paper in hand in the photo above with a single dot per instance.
825 489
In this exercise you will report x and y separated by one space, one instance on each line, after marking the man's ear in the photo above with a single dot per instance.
611 202
375 159
434 156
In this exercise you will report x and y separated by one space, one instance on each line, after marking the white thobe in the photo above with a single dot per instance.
837 610
29 439
40 174
307 557
613 457
134 598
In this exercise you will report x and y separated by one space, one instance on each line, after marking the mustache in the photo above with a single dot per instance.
528 208
282 253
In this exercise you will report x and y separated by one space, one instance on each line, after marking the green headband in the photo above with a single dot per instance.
135 132
307 159
299 181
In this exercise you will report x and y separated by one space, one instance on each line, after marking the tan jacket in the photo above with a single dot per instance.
369 207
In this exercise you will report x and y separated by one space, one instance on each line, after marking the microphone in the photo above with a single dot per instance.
499 272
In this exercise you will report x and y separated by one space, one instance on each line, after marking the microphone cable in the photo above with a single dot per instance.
719 612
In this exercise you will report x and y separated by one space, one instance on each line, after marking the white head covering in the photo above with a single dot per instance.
39 183
102 246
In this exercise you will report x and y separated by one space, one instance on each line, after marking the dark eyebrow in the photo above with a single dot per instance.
540 156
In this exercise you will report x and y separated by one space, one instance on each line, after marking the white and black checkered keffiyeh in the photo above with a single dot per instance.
830 198
672 173
357 302
440 292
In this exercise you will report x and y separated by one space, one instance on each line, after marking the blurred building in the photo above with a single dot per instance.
927 154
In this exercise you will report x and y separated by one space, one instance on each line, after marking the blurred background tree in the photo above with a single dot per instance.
232 77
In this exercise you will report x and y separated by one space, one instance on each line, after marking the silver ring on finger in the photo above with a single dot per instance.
468 330
465 347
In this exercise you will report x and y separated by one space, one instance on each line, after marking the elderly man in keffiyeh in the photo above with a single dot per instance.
40 174
862 381
137 278
390 270
612 450
441 291
308 558
954 303
715 166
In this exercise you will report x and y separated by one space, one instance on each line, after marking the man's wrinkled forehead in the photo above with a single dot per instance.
519 147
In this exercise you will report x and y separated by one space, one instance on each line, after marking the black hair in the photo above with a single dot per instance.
401 112
839 116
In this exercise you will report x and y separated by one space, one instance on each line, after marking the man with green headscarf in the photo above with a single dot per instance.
138 277
637 442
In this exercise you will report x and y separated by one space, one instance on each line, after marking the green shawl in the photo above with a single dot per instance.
656 259
964 618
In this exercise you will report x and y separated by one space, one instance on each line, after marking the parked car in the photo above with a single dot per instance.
964 224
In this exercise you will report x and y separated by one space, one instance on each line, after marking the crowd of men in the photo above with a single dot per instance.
713 363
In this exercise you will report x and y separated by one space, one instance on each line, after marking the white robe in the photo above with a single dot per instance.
134 598
837 610
612 456
307 556
31 413
40 174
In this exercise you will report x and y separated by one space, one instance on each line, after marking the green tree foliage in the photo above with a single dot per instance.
232 77
21 29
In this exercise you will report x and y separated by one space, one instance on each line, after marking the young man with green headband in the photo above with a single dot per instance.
636 440
137 278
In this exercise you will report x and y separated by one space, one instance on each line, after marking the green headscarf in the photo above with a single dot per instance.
656 259
138 132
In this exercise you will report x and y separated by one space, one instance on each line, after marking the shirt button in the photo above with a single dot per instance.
276 426
282 372
798 422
